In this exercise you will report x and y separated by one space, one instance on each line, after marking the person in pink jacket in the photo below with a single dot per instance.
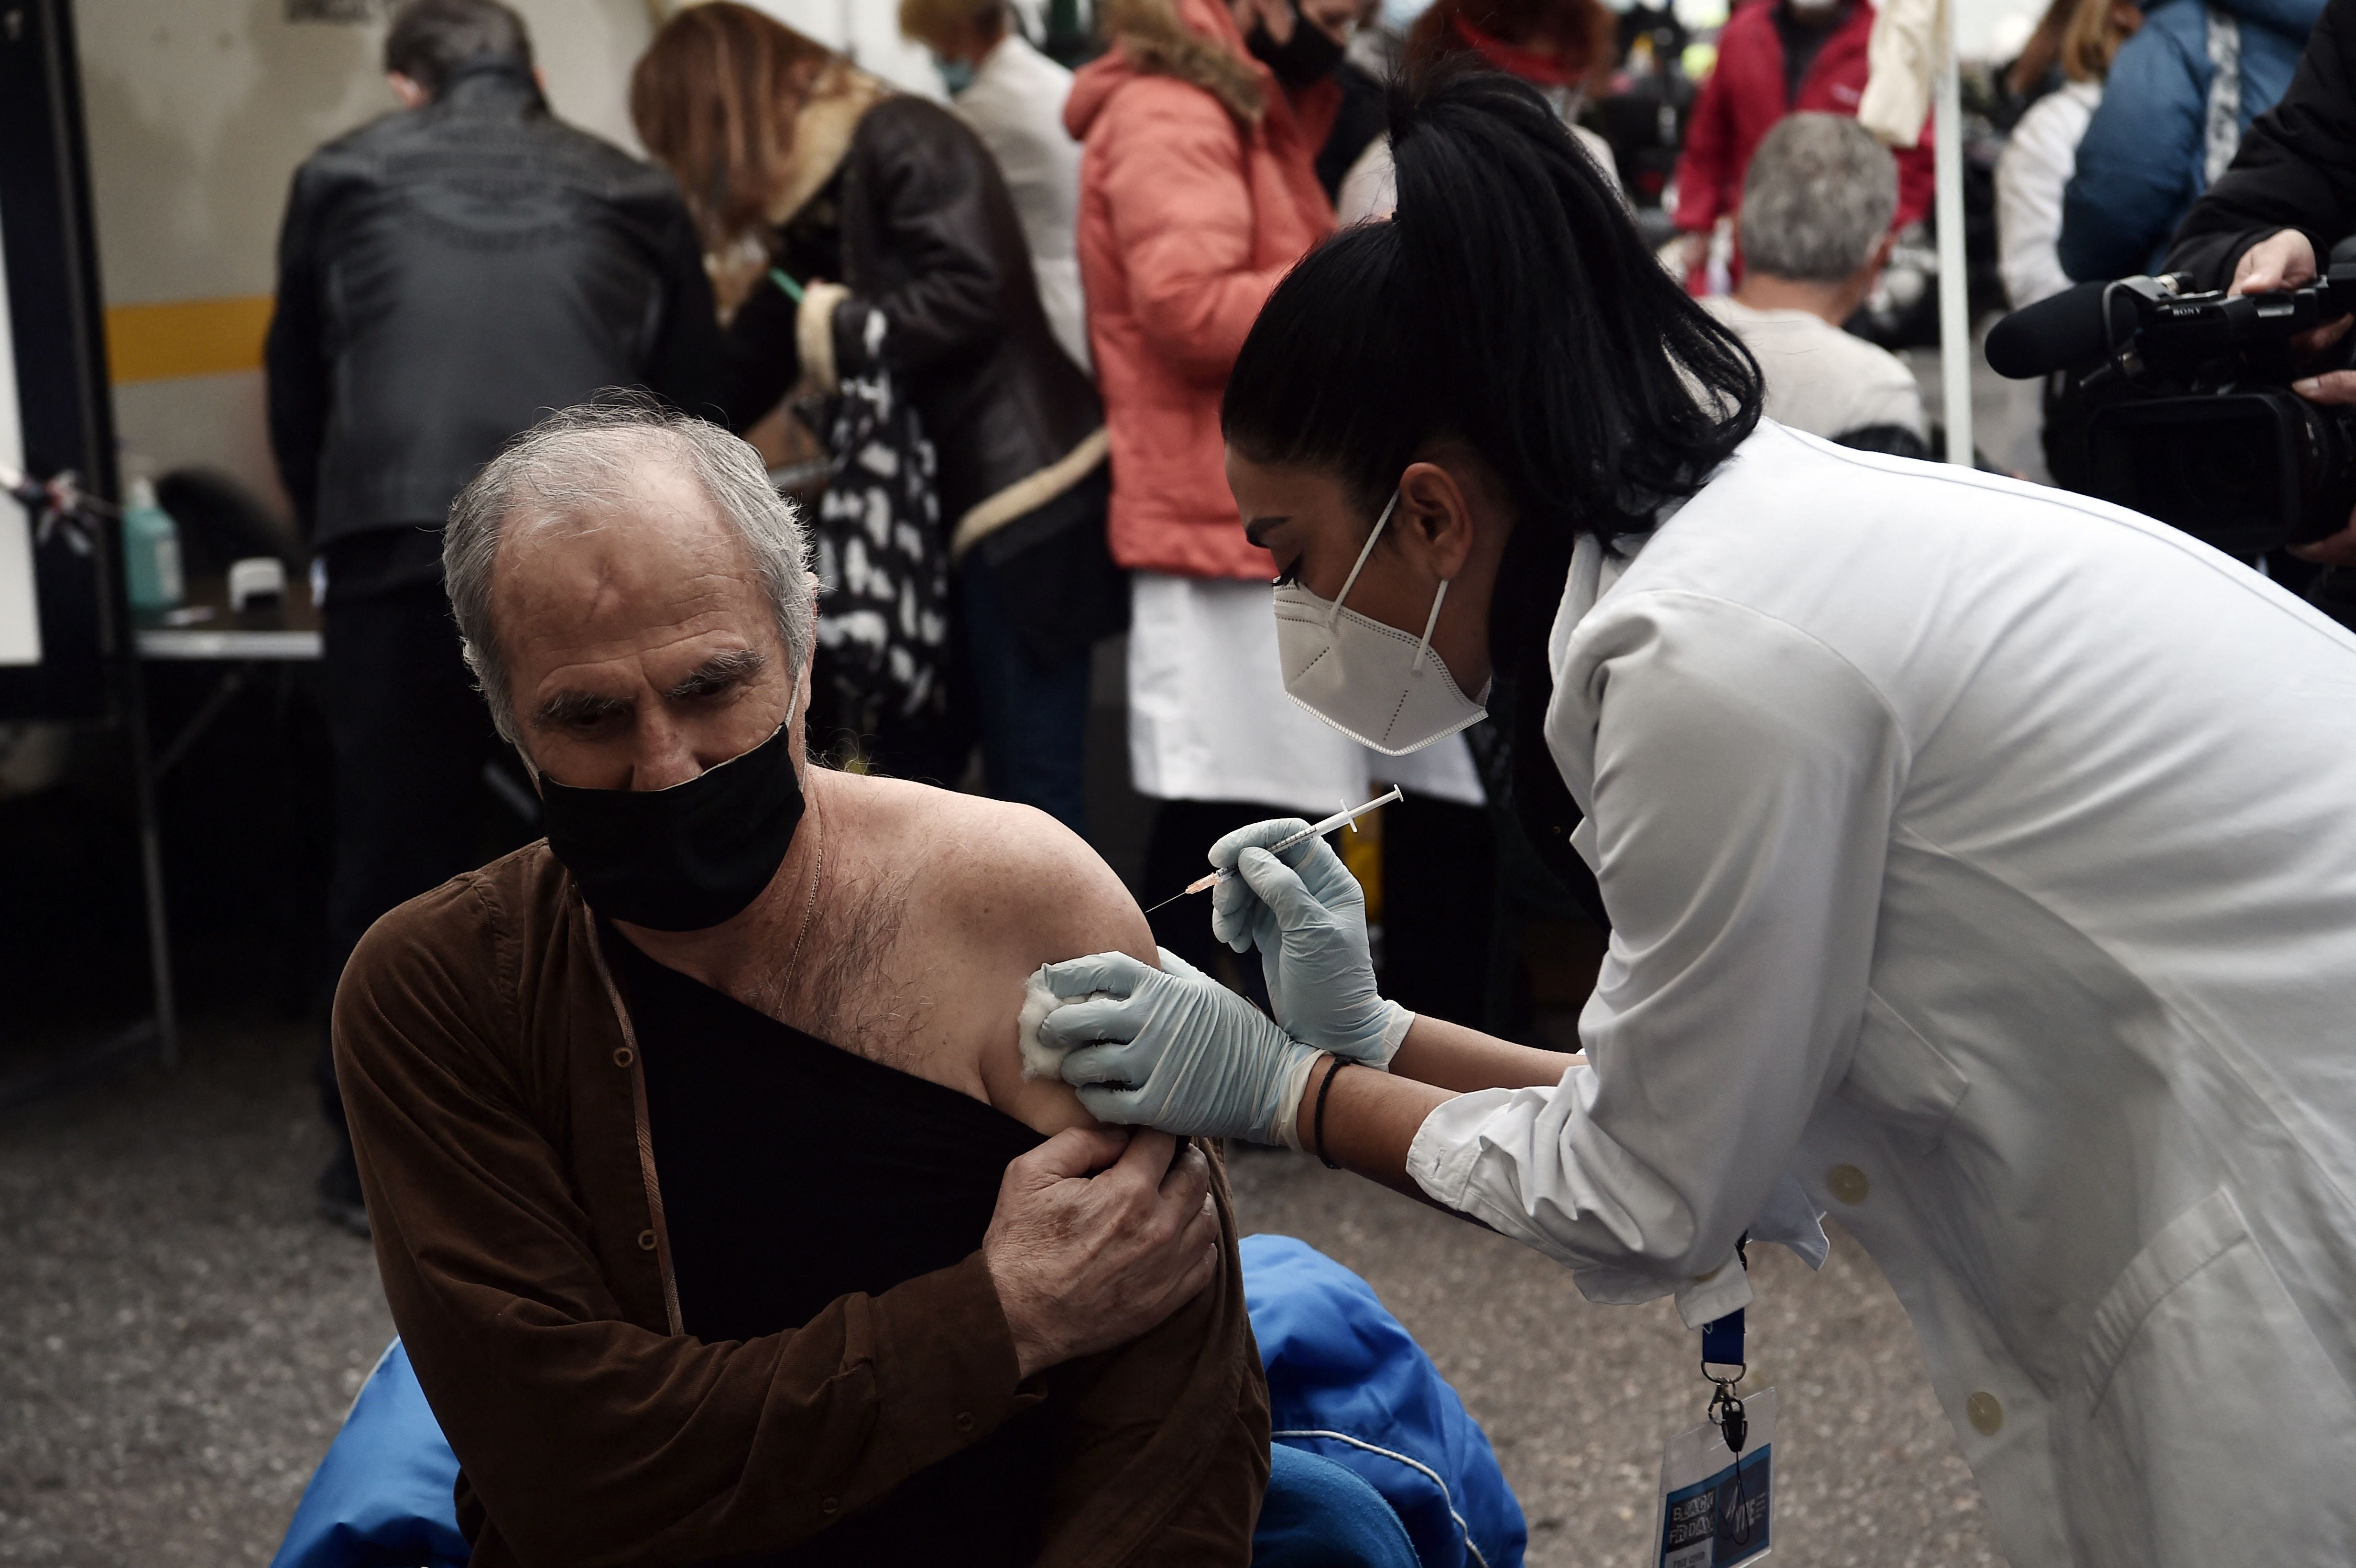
1200 129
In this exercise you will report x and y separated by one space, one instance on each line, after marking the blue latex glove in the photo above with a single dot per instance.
1307 915
1173 1048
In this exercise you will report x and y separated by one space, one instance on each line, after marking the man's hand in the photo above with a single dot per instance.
2285 260
1098 1235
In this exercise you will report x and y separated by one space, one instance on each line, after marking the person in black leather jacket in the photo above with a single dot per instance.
447 274
869 204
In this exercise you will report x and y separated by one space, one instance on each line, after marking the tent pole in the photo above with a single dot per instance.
1955 282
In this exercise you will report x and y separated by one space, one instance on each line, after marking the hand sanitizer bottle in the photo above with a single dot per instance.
151 551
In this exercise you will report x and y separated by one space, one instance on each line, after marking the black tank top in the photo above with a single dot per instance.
793 1173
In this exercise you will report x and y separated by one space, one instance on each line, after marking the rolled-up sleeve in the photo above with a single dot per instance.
1745 777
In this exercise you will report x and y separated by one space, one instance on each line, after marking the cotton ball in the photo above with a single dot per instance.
1040 1060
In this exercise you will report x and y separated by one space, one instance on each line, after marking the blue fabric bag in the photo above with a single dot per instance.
1346 1382
1361 1417
382 1497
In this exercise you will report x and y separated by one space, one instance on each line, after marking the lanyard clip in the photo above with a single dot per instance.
1723 1363
1725 1414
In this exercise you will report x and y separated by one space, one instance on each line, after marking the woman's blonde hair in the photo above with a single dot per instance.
2096 29
713 99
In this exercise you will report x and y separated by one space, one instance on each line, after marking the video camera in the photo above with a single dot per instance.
2192 419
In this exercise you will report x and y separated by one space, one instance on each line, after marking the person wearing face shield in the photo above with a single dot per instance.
1976 857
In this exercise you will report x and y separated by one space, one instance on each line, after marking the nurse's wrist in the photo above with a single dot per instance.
1393 1036
1302 1123
1291 1095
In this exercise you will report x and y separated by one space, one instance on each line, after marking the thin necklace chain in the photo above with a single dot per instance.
810 908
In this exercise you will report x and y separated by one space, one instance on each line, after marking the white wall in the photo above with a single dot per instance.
200 110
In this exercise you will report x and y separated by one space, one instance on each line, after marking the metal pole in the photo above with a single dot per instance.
1954 282
131 695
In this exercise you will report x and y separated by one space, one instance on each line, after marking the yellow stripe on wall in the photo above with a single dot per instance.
185 337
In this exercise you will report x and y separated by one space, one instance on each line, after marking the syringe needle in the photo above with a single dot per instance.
1344 819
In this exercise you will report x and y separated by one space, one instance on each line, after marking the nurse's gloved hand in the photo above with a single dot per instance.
1307 915
1173 1048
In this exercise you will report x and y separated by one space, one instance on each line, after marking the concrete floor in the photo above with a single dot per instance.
179 1338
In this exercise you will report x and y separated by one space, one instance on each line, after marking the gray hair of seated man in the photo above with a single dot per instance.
579 462
1817 199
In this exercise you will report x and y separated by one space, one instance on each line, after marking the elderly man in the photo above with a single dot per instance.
1816 227
713 1205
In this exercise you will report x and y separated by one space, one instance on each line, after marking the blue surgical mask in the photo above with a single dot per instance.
956 75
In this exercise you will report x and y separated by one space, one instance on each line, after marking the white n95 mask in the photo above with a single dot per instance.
1374 683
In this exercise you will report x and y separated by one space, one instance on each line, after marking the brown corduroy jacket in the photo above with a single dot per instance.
499 1116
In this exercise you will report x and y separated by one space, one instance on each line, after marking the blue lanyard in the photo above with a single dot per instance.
1722 1342
1721 1346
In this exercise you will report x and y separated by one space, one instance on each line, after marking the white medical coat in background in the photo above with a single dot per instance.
1015 105
1984 857
1208 719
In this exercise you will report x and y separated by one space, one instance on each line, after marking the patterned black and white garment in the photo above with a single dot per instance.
883 614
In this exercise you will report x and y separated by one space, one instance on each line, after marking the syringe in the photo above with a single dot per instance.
1339 819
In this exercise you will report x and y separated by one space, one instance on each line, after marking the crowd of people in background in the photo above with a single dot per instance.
998 330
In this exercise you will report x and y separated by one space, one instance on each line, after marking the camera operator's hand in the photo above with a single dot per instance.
2331 387
2285 261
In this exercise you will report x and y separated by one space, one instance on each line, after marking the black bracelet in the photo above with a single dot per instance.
1317 1122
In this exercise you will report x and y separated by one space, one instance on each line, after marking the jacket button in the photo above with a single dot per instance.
830 1506
1846 1183
646 1240
1986 1414
625 1056
965 1421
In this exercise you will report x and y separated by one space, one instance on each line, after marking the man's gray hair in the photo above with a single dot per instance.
1816 199
582 459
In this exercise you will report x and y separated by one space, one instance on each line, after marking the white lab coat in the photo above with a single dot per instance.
1983 857
1015 105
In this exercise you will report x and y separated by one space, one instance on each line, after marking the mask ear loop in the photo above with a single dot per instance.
1424 648
1333 617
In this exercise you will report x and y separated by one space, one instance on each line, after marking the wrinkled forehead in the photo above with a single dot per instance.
623 552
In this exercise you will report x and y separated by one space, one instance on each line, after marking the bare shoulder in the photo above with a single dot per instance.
1017 881
994 890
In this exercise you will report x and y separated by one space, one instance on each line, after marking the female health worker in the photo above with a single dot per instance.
1979 860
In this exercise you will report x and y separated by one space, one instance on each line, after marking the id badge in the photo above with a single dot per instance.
1716 1510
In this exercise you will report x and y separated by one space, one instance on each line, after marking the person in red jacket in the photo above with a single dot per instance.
1777 57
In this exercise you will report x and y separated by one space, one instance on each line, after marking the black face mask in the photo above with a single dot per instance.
682 858
1309 57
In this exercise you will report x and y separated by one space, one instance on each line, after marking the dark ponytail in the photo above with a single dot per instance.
1510 304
